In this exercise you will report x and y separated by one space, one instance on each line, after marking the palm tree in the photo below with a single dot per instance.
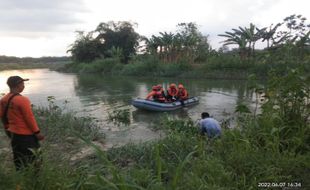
245 38
267 34
151 45
177 47
190 38
252 36
236 38
167 41
183 44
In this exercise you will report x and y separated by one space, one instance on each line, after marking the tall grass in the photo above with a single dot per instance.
58 171
104 66
218 65
272 147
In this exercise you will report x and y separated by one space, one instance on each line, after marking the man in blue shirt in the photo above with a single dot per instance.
209 125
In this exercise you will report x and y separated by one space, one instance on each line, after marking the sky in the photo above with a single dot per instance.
37 28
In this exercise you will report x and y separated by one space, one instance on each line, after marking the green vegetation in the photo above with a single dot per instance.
11 63
15 66
12 59
111 40
187 52
265 148
115 48
61 150
271 147
120 116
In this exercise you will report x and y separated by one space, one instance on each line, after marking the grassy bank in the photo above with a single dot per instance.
16 66
221 66
61 150
262 150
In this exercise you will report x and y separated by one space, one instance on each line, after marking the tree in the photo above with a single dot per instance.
294 29
252 35
268 34
190 38
187 43
296 26
167 45
119 35
85 48
302 44
236 38
245 38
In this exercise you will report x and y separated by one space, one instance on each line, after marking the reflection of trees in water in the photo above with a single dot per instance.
97 88
233 88
119 91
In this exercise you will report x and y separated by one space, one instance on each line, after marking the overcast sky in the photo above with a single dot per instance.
47 27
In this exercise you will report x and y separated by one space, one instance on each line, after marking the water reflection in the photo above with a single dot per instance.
105 89
96 95
219 97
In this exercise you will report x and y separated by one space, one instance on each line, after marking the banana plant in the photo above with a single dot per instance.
236 38
268 34
167 42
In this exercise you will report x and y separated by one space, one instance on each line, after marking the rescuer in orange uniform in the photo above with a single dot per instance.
182 94
172 93
157 94
19 123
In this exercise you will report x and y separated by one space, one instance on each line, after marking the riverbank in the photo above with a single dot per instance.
34 65
61 149
240 159
217 67
266 150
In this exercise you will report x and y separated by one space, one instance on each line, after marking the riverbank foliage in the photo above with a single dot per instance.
272 147
187 52
33 65
60 150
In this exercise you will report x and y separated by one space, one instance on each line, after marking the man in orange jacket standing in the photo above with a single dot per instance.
19 123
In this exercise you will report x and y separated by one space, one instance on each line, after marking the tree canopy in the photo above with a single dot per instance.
187 43
104 40
293 30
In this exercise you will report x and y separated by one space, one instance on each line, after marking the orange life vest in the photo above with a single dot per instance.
172 91
183 94
159 96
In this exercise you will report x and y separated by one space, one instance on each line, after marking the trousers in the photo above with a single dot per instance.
24 148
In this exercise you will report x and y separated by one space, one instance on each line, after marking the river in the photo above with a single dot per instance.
96 95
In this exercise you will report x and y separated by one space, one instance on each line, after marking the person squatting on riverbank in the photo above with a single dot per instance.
19 123
209 126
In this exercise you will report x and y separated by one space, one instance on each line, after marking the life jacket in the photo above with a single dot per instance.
159 96
172 91
182 94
